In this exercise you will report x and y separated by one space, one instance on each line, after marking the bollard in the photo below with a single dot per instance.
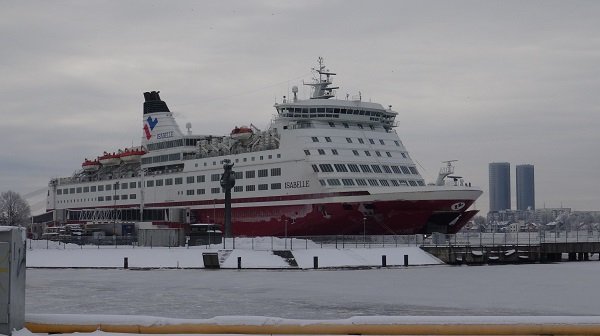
315 262
125 263
239 262
406 260
383 261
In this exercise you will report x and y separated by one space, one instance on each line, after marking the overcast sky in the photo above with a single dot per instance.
476 81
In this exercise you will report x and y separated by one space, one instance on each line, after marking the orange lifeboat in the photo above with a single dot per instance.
241 133
108 159
89 165
131 154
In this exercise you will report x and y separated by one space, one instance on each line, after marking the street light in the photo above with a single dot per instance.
285 221
364 231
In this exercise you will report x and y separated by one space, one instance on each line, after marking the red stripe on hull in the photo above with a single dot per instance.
392 217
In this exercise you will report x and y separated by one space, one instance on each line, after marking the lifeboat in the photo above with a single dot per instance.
241 133
109 159
89 165
131 154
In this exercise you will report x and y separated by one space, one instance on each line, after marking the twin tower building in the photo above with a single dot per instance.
500 196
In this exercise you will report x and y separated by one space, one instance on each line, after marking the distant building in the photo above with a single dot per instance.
525 187
499 176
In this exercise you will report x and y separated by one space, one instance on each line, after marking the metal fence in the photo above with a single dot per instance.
513 238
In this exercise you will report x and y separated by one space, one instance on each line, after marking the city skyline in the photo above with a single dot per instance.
476 82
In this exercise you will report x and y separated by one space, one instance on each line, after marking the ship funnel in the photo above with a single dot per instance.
153 104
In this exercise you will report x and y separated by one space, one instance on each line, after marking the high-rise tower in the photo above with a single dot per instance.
499 175
525 187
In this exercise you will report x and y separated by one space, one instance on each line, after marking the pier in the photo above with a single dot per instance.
511 248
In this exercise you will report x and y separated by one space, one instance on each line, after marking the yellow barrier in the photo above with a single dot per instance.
330 329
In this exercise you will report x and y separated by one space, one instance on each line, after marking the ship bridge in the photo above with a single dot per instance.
320 106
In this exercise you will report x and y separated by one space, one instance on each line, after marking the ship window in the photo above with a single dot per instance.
263 173
150 183
395 183
189 179
79 190
200 178
251 187
275 185
372 141
124 186
238 189
403 155
59 191
361 141
108 198
320 110
367 153
396 170
397 143
279 156
116 198
326 168
348 182
405 170
421 182
355 152
239 175
245 159
132 196
345 125
72 190
131 185
361 112
270 156
384 183
322 182
378 153
333 182
215 190
253 158
341 168
205 163
388 154
263 187
334 152
315 168
101 198
124 197
313 110
381 142
215 177
373 182
353 168
365 168
159 183
321 151
179 180
275 171
412 183
315 139
169 181
86 189
331 124
200 192
376 169
189 192
361 182
307 152
328 139
413 170
349 140
250 174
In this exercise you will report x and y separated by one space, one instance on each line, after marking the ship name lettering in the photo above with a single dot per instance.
296 184
164 135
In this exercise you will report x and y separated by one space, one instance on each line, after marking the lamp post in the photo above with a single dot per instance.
285 221
364 231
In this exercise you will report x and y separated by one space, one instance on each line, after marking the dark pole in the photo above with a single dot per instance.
227 182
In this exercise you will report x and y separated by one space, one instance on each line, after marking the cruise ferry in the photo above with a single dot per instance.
324 166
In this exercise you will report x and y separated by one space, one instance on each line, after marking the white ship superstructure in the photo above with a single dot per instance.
323 166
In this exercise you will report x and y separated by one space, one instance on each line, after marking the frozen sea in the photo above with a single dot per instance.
537 289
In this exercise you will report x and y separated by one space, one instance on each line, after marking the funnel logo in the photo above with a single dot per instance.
149 126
